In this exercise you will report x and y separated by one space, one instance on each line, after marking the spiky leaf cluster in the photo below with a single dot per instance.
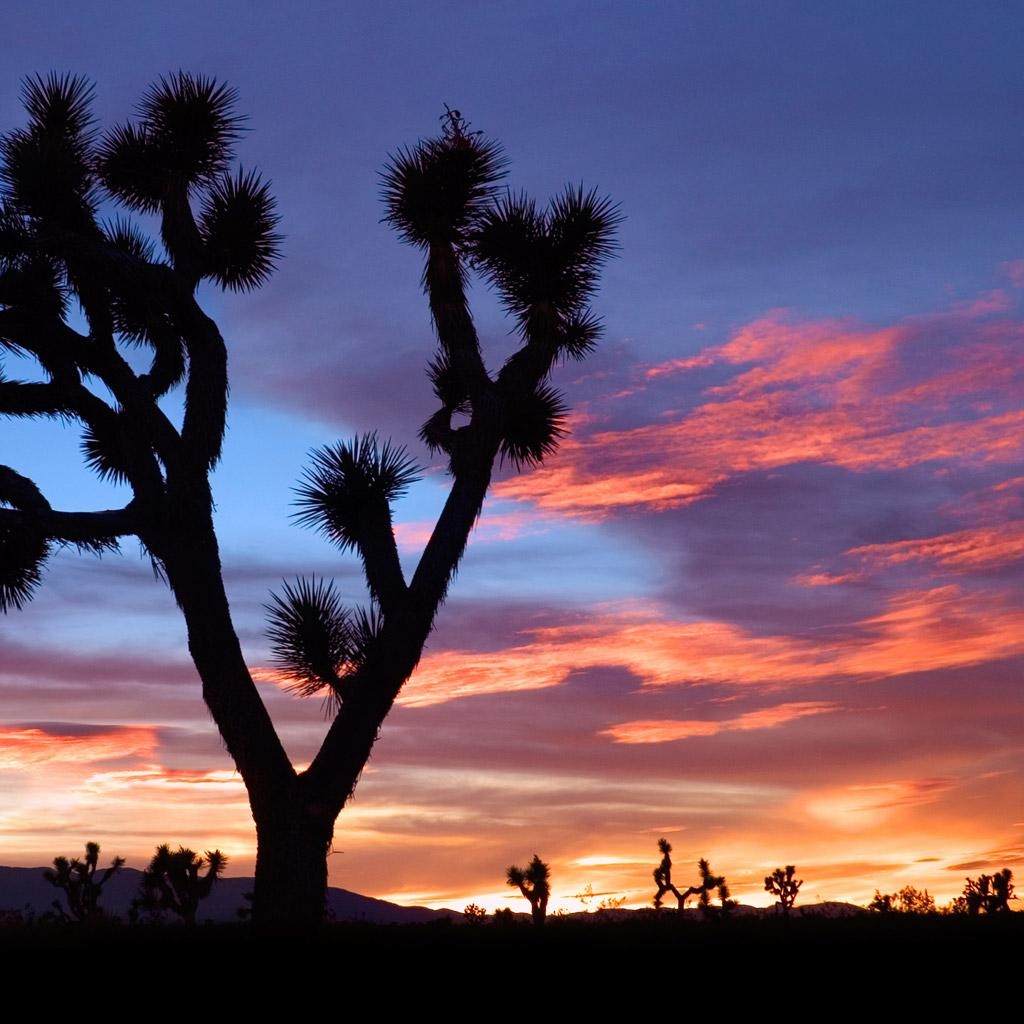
311 635
46 168
184 137
546 262
104 451
532 426
349 481
435 192
237 224
23 555
24 549
446 383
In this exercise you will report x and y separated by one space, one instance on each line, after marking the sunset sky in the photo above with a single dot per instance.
767 600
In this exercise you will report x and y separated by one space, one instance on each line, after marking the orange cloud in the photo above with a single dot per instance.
918 631
23 749
827 392
173 782
961 550
667 730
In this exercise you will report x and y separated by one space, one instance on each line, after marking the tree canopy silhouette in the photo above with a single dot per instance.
218 224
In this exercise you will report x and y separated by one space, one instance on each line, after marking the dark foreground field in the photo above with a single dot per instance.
882 939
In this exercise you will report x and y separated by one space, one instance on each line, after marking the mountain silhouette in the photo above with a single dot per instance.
25 890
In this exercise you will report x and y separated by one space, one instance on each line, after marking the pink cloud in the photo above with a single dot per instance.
490 528
826 579
829 392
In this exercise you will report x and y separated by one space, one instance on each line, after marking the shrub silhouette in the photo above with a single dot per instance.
81 883
907 901
535 884
138 297
782 884
474 913
174 882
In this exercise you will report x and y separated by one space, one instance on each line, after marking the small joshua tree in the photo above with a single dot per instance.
173 881
709 883
82 887
990 894
535 884
782 884
475 914
663 877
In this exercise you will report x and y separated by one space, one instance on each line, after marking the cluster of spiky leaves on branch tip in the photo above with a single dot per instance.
58 249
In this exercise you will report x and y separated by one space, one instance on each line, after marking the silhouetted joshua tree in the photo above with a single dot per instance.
663 878
57 256
990 894
81 884
708 884
782 884
173 882
535 884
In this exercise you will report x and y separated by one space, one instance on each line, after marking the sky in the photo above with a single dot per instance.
766 601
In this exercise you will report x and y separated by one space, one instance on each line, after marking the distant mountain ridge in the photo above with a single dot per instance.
25 890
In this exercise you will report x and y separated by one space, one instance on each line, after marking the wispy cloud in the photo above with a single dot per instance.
668 730
29 748
960 550
920 630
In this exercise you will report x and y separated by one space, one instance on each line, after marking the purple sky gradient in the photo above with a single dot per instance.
783 545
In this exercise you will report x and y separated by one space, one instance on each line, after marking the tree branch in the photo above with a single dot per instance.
381 565
443 279
93 530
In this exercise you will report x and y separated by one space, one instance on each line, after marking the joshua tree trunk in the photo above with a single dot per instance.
291 867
